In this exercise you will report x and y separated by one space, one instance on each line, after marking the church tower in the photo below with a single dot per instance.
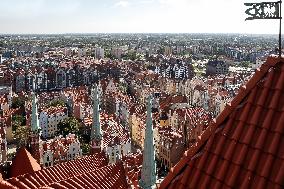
3 144
96 133
35 130
148 172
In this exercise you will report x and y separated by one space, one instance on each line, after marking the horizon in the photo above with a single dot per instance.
129 16
97 33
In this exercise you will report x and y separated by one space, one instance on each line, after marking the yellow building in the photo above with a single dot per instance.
164 119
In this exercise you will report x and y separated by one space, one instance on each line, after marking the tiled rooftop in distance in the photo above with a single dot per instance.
243 147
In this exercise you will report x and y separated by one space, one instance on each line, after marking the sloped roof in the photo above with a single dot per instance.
110 176
244 146
6 185
23 163
57 173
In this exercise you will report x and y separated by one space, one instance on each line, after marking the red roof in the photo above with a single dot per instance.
111 176
57 173
244 146
23 163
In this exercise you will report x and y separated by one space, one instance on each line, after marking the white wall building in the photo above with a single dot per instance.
60 149
50 118
99 53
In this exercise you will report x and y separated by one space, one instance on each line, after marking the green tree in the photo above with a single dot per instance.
69 125
56 102
21 135
85 148
109 55
18 102
17 120
244 64
132 55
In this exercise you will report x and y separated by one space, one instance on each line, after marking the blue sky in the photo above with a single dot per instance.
166 16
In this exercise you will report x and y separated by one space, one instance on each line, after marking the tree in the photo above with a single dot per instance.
57 102
85 148
244 64
69 125
21 135
17 120
108 54
18 102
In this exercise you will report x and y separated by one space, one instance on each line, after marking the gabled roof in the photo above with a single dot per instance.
48 176
23 163
243 147
110 176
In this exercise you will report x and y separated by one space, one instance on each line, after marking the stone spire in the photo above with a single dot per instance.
96 132
34 136
34 121
3 144
148 173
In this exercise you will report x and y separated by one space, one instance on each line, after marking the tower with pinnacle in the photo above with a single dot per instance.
96 132
148 172
35 130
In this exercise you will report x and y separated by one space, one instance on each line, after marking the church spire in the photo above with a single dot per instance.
34 121
96 132
148 173
34 136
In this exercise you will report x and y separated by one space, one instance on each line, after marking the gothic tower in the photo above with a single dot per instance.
96 133
3 144
148 173
35 130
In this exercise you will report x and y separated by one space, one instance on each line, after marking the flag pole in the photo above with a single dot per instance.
280 45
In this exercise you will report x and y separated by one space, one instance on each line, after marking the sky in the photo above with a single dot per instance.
129 16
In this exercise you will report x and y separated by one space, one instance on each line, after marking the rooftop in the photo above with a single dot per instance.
243 146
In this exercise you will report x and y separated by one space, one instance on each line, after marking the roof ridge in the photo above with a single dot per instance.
98 155
229 108
118 164
23 154
78 174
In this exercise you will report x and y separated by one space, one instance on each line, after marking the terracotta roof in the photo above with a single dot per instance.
243 147
6 185
111 176
58 173
133 165
113 131
23 163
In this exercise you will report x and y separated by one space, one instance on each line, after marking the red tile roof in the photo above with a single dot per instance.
243 147
6 185
23 163
58 173
133 165
111 176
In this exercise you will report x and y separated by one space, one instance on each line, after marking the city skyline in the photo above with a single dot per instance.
130 16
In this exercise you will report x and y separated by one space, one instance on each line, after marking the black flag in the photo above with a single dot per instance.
264 10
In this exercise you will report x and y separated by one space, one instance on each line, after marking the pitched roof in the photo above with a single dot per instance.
23 163
6 185
48 176
110 176
243 147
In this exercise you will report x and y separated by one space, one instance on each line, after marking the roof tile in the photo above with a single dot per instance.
243 148
23 163
60 172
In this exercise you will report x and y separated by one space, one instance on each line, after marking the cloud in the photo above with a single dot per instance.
146 1
172 2
122 4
